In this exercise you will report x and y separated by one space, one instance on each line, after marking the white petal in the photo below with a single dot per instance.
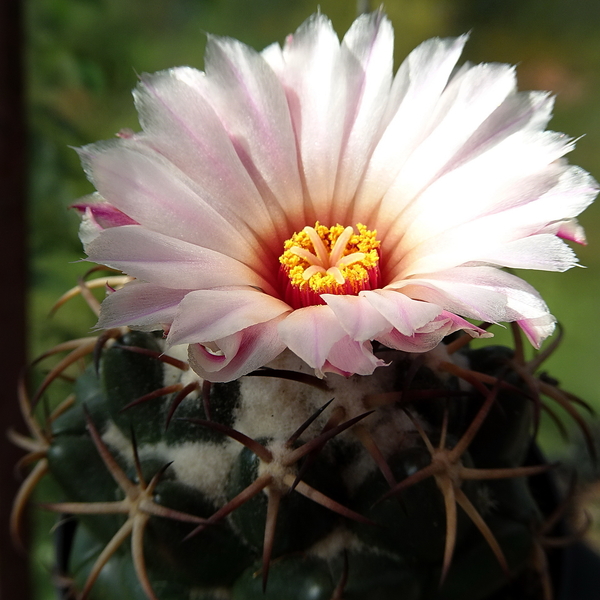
350 357
462 210
357 316
273 56
316 89
208 315
482 293
463 107
465 104
543 252
534 210
180 123
417 87
367 54
504 152
251 103
310 333
520 112
168 262
157 195
404 313
141 306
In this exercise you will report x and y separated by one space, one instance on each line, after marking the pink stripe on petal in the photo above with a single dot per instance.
105 214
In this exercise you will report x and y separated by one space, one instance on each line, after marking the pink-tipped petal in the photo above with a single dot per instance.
238 354
89 228
571 230
415 343
538 329
105 214
430 335
456 323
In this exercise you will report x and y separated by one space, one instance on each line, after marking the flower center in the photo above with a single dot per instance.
328 260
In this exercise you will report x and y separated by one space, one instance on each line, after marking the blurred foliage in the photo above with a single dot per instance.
83 57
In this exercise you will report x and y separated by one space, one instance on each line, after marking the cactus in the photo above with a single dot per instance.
414 482
284 403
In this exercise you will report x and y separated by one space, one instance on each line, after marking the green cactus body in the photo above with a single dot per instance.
410 483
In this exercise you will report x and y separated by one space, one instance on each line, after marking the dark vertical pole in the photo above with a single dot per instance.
14 583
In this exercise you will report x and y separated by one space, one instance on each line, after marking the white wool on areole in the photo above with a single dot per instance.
200 465
334 544
275 404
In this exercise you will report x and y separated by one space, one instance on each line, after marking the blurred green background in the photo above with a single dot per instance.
83 57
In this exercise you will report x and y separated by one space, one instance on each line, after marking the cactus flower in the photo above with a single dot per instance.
305 197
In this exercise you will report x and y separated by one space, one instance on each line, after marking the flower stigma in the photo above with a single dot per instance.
329 260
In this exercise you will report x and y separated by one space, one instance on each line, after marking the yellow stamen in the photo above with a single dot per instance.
317 242
340 245
331 260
